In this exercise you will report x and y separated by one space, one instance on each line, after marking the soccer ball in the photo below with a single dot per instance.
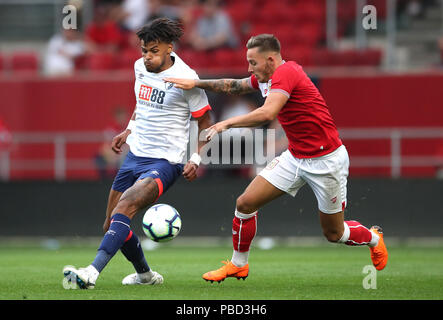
162 223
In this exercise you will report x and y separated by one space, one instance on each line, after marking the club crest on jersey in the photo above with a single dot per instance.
272 164
168 85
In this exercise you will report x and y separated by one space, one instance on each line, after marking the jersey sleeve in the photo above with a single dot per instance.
284 80
197 101
253 82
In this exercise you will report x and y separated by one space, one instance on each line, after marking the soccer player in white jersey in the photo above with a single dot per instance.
157 135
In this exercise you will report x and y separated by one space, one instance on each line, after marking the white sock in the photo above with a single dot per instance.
374 239
93 272
240 259
240 215
346 233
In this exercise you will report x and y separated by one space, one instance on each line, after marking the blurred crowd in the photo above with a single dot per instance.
107 41
112 30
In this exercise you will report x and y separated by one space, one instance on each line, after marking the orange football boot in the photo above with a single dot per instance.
379 253
228 270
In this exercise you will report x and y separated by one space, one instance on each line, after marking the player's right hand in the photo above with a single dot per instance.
119 140
185 84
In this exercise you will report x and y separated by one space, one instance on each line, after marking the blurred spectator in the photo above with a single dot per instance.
190 12
107 161
63 49
103 33
164 9
131 14
213 29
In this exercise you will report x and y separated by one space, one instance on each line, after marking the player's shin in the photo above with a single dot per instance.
355 234
133 251
244 228
113 240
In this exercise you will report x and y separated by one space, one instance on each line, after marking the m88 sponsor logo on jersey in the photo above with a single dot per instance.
151 94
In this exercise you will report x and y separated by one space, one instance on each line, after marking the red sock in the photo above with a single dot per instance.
358 234
243 232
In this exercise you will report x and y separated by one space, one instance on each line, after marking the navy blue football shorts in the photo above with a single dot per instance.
136 168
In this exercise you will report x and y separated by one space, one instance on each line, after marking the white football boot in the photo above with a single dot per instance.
84 277
135 278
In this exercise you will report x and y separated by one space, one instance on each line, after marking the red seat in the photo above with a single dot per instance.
300 54
323 57
24 62
272 14
196 59
101 61
230 57
240 11
370 57
127 58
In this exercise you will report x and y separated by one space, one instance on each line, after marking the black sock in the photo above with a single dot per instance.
133 251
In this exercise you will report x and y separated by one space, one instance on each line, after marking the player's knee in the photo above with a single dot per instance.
332 235
126 208
139 196
245 204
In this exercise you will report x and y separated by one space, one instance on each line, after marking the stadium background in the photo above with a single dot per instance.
383 87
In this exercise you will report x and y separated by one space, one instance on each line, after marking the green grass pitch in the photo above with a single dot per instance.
324 272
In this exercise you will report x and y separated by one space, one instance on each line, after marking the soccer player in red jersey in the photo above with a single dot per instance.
315 154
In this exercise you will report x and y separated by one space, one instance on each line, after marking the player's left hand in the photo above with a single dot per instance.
190 171
185 84
216 129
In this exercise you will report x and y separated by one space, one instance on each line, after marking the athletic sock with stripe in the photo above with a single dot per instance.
244 228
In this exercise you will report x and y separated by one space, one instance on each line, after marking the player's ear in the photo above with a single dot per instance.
169 49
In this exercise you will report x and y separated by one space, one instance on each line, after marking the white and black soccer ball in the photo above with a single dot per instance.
162 223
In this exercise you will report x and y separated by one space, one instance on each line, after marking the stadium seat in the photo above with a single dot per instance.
310 12
300 54
240 11
323 57
370 57
81 62
126 59
231 57
196 59
26 61
100 61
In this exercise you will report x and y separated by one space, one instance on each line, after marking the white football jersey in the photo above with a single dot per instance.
163 112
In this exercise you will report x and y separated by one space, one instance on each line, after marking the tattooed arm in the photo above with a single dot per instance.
229 86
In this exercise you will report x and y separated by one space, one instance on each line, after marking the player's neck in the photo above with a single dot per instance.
169 62
276 63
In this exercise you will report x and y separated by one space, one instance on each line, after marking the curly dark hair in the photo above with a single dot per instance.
161 30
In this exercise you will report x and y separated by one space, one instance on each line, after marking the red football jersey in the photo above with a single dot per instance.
305 117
